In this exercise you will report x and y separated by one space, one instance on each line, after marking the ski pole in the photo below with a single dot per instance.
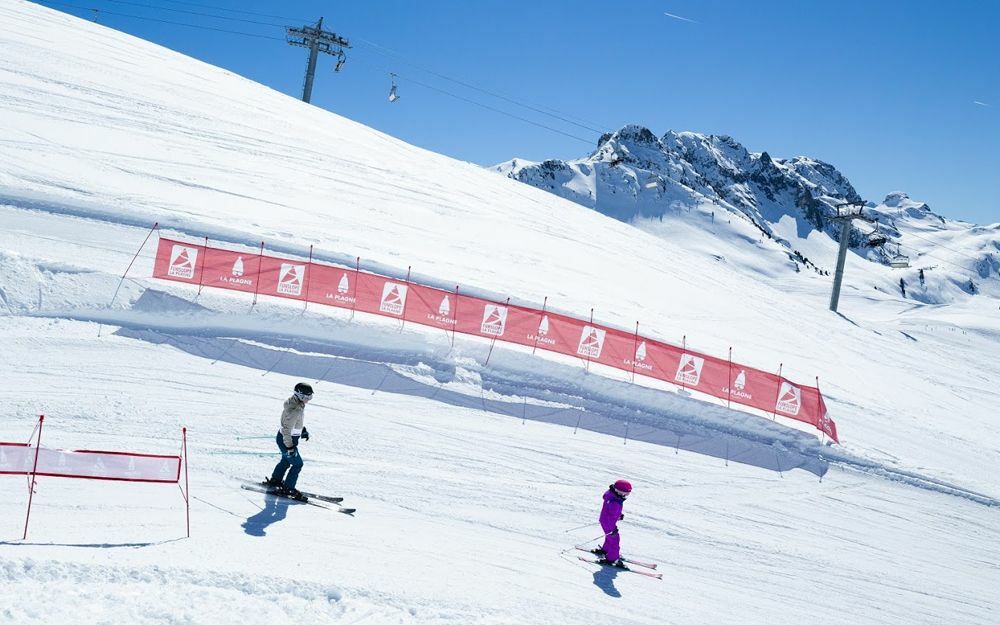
599 537
581 527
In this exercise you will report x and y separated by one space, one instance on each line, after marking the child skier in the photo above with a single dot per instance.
288 442
611 513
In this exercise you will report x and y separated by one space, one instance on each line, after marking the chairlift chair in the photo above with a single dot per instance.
393 96
876 238
341 58
898 261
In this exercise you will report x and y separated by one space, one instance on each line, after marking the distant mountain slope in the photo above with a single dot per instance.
634 175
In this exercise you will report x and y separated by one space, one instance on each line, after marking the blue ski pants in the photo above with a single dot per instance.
295 462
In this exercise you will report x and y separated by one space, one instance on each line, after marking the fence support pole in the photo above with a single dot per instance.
34 470
201 274
635 350
729 387
777 394
494 341
538 333
357 278
308 273
591 327
407 300
684 350
455 325
256 284
122 280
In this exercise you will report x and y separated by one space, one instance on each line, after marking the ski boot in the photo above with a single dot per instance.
293 493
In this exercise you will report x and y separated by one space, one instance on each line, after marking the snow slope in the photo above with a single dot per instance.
464 508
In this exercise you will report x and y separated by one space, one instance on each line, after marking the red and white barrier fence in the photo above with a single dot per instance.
361 291
36 461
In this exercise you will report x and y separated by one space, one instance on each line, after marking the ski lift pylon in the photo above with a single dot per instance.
393 96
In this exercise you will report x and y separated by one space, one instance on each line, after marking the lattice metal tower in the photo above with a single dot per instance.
317 40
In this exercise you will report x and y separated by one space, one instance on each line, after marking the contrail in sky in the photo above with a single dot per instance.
678 17
980 103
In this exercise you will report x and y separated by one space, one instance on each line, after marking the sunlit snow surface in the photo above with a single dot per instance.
464 504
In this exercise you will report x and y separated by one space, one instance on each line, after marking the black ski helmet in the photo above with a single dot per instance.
303 389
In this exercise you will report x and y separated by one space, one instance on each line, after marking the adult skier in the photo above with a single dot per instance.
611 513
291 431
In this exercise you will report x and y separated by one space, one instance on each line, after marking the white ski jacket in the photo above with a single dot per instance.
291 419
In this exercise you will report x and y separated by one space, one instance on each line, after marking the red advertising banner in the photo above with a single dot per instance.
19 459
332 286
452 311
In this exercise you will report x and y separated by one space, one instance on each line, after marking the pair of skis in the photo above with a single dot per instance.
645 568
260 487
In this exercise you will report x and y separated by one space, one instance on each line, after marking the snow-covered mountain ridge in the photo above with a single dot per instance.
633 176
475 468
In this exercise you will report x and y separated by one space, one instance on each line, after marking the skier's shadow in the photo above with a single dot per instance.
605 580
275 509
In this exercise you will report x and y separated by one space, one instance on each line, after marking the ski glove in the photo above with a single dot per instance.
305 434
622 517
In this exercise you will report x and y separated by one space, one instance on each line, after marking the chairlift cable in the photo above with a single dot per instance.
189 12
161 21
561 117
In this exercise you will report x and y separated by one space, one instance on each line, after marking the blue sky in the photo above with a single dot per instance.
885 90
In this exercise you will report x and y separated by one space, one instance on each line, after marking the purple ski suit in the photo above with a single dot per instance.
610 515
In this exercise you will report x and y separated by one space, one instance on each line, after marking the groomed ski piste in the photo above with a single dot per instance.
471 480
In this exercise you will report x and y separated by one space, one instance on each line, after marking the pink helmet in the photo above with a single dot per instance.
622 486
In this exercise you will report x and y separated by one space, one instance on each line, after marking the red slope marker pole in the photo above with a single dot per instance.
187 488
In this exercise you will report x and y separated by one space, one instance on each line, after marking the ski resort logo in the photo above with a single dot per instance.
639 361
541 337
443 315
341 296
182 261
62 460
99 467
789 399
236 274
165 468
494 320
591 342
738 387
291 278
393 298
689 369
